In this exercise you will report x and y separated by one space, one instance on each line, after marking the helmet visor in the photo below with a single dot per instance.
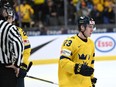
92 22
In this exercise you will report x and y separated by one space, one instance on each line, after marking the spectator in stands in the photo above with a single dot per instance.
97 15
108 13
26 12
83 9
60 12
51 12
75 2
89 4
98 1
71 13
38 10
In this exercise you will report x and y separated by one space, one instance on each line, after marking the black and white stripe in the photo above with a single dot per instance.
11 45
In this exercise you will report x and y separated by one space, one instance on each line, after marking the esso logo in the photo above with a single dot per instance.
105 44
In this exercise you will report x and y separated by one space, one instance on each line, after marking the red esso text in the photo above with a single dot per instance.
105 43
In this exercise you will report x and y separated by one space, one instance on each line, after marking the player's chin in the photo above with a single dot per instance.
89 35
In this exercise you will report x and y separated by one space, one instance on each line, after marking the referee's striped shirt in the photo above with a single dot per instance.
11 45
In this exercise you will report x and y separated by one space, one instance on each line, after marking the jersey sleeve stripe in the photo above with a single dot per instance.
26 47
64 57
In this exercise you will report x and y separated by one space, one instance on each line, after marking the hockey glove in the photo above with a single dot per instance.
22 71
83 69
93 80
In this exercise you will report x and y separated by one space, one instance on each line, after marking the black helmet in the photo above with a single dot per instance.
6 7
9 9
84 20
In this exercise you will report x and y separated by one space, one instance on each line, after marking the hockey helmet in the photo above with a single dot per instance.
84 20
6 10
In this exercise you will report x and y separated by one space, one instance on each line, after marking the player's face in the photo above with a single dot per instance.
89 30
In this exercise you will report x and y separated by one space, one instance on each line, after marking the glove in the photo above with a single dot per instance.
93 80
93 85
22 71
83 69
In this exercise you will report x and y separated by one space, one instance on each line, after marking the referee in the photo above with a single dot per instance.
11 49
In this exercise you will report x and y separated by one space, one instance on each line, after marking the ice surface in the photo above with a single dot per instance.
105 71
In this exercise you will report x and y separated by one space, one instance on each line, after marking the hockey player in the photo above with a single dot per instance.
25 58
76 63
27 48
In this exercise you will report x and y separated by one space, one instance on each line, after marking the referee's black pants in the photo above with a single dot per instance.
7 77
20 82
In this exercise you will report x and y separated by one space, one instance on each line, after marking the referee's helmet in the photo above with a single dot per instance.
5 10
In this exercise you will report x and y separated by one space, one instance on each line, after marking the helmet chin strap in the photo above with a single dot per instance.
83 33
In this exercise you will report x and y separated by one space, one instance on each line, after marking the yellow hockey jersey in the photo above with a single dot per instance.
27 47
26 12
75 50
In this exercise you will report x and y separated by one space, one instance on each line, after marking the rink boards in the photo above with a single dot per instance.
46 49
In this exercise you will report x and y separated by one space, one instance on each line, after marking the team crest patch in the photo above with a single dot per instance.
26 42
